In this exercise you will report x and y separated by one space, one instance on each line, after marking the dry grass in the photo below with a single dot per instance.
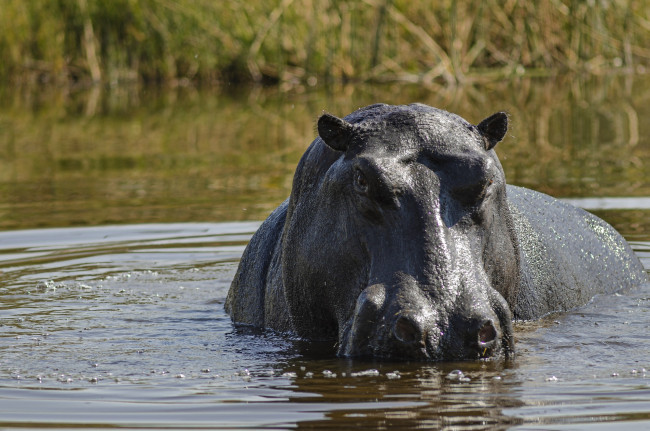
308 41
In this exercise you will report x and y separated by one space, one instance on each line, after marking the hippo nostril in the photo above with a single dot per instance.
487 333
407 330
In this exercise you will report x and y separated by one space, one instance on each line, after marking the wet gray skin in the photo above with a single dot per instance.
401 240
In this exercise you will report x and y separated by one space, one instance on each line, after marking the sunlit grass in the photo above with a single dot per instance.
307 41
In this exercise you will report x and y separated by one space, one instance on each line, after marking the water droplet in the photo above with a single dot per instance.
455 375
394 375
365 373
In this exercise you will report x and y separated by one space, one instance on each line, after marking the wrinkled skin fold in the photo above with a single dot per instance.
402 241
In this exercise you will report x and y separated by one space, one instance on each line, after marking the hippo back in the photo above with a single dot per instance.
567 255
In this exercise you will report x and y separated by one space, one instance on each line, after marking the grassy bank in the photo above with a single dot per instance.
307 41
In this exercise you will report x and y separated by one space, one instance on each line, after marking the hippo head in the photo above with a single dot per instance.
399 242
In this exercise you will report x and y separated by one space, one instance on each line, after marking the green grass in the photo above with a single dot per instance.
309 41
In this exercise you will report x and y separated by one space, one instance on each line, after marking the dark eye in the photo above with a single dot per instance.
360 182
470 194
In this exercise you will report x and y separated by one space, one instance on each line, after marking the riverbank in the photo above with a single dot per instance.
307 42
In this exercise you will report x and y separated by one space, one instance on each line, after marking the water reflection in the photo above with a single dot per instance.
405 395
124 155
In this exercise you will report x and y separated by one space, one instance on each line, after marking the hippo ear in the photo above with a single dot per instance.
494 128
334 131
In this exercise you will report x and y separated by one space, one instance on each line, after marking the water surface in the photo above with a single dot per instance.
131 155
124 326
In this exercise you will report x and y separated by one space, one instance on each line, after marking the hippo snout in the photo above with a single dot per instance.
403 323
472 340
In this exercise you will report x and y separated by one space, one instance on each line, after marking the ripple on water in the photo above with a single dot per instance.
125 325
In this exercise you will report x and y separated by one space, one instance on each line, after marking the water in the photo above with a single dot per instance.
124 213
131 155
124 326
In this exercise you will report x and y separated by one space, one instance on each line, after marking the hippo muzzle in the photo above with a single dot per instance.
402 322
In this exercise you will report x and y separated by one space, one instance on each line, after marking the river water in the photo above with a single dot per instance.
124 214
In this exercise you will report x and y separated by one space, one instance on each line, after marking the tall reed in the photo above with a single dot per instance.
304 41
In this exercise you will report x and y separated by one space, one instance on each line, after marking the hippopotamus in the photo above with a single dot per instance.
401 240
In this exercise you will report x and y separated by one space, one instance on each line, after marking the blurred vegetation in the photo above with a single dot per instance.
308 41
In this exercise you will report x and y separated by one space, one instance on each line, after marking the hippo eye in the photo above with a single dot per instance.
360 182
